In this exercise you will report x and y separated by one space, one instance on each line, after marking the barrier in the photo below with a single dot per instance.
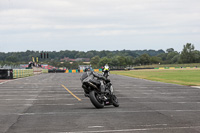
81 71
73 71
44 70
176 67
96 70
21 73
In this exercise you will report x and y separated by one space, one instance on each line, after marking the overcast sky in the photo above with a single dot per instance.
54 25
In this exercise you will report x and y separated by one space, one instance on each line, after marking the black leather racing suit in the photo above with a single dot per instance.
102 78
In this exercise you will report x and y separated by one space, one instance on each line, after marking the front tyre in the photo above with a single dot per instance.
115 101
96 100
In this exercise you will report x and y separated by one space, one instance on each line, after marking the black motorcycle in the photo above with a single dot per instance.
91 83
106 73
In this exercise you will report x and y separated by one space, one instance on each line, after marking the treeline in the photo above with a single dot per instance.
123 58
187 55
26 56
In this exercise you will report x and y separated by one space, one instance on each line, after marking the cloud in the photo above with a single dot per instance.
60 19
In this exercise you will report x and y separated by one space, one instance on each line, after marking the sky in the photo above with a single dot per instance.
83 25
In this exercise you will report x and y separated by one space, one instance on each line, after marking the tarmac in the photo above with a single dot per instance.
55 103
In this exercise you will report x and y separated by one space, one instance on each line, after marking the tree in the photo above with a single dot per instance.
89 55
80 55
155 60
114 61
187 54
12 59
170 56
122 60
67 64
129 60
163 56
95 61
137 61
175 59
104 61
144 59
197 56
74 65
170 50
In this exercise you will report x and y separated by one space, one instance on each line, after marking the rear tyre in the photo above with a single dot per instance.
96 100
115 101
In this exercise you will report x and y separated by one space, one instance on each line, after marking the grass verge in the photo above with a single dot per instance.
170 65
189 77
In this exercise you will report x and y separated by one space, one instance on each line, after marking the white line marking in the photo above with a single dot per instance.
36 99
95 126
8 81
53 95
196 86
141 129
4 82
18 99
99 112
16 105
163 102
37 105
152 125
86 98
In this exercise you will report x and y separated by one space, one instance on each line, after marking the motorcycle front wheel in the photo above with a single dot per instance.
115 101
96 100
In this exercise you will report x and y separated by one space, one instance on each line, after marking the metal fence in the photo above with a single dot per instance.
11 67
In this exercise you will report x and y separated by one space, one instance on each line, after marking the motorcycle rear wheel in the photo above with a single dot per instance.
95 98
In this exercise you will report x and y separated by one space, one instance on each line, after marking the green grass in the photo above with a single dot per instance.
170 65
182 77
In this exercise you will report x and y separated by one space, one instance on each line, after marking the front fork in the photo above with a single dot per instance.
102 86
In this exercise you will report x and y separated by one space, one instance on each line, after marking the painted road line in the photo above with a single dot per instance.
137 129
5 81
196 86
14 105
95 126
48 99
99 112
71 93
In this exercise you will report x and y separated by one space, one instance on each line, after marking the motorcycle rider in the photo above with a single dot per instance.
106 69
89 68
99 76
99 89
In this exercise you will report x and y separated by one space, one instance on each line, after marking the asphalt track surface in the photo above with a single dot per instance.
42 104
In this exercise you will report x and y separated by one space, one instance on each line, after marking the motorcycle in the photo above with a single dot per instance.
91 83
106 73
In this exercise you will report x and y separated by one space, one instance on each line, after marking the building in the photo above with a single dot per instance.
83 59
67 59
77 59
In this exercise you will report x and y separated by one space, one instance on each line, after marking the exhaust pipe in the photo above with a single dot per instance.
94 86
